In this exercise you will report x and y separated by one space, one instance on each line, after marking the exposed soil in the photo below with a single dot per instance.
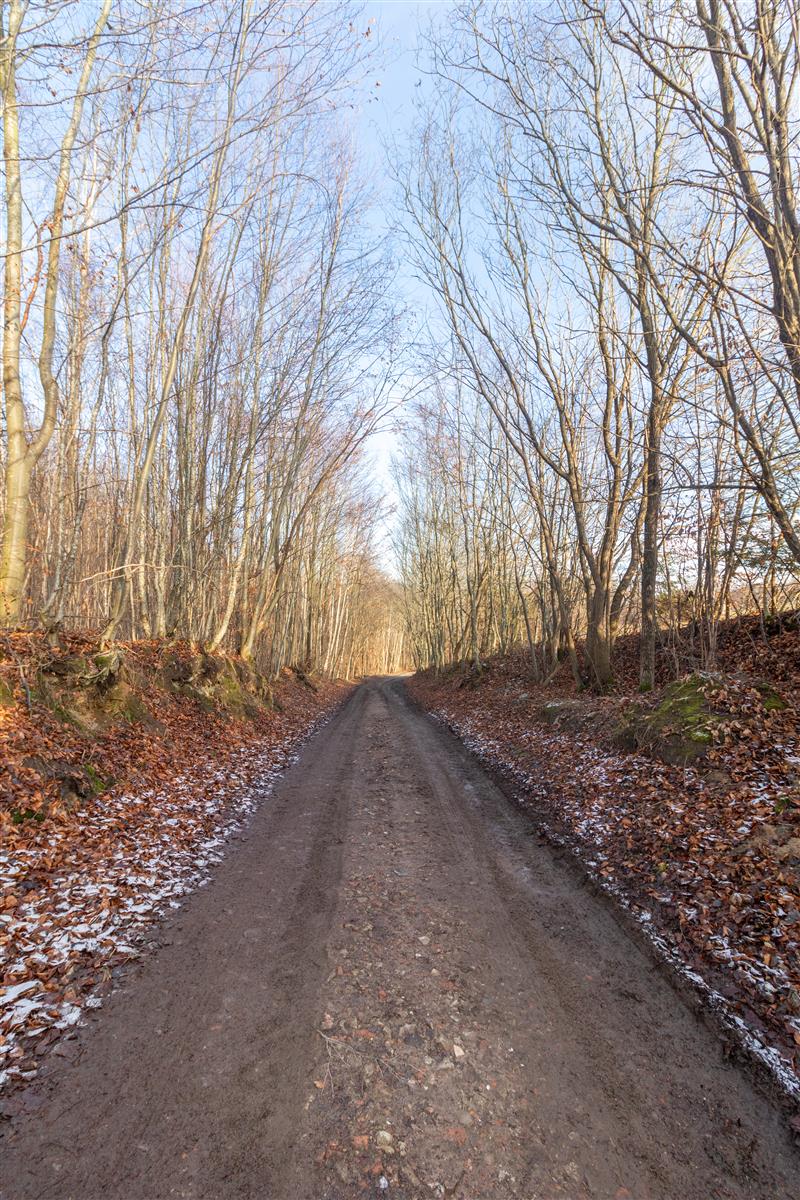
393 976
122 774
705 852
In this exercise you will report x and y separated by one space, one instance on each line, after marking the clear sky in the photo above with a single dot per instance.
386 117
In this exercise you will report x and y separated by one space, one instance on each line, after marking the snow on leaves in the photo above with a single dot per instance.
708 854
81 888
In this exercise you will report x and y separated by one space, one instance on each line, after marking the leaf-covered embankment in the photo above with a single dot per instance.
122 775
686 806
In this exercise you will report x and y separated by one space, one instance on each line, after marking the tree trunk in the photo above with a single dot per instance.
649 620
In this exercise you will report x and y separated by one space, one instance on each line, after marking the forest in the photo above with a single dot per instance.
604 206
596 418
197 335
400 599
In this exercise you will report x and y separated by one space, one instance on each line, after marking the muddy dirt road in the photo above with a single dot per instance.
391 976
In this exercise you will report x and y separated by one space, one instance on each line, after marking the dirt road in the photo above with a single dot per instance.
391 976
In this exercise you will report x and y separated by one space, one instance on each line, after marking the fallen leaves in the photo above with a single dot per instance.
708 853
82 886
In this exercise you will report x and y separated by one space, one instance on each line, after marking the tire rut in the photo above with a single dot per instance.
390 977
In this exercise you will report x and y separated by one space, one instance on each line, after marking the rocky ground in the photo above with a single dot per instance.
393 985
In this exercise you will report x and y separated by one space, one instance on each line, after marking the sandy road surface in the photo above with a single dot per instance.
391 975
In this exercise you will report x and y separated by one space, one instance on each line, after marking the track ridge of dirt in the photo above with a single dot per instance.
392 982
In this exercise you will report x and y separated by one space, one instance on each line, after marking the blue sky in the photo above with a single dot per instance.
388 115
398 24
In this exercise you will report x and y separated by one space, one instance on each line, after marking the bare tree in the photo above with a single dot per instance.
23 451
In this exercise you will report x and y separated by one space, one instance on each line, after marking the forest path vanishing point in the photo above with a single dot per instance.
391 979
